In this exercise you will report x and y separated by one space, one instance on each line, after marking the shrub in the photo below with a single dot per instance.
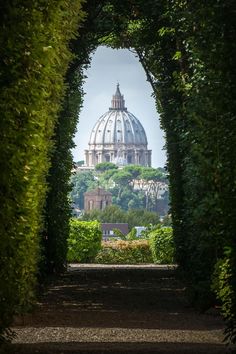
84 241
124 252
223 285
162 245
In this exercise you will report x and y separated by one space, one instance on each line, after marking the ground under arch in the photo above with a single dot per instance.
118 309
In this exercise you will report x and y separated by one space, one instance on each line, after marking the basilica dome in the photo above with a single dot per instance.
118 137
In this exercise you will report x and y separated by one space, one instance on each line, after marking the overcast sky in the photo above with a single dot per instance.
107 69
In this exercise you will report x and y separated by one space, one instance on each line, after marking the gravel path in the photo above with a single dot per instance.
117 309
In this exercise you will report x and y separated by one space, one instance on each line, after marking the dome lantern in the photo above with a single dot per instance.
118 102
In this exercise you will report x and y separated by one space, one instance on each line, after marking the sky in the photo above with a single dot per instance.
109 67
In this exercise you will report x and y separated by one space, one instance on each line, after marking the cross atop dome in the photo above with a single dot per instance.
118 102
118 90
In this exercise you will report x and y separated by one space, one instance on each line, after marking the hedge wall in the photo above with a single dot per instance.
34 39
58 205
84 241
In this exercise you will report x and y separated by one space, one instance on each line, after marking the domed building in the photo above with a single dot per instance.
118 137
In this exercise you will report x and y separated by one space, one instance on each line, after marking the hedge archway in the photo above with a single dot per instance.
188 52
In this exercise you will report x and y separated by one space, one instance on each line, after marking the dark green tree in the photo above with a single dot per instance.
105 166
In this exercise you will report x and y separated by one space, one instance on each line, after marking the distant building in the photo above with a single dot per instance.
139 230
107 229
97 199
156 188
118 137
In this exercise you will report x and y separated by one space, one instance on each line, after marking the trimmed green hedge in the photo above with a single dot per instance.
58 205
34 38
124 252
162 245
84 241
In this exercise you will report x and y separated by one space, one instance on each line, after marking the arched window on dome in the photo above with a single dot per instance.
119 136
118 123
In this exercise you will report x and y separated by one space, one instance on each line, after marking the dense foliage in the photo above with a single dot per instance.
58 206
132 187
81 183
154 245
84 241
162 245
34 40
124 252
114 214
105 166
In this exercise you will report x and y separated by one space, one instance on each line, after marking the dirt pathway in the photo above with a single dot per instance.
98 310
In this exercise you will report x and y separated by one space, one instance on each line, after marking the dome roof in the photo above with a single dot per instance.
118 126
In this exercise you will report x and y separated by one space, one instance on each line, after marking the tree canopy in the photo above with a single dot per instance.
105 166
114 214
132 187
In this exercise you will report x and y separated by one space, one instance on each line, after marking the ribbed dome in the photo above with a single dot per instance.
118 126
118 137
